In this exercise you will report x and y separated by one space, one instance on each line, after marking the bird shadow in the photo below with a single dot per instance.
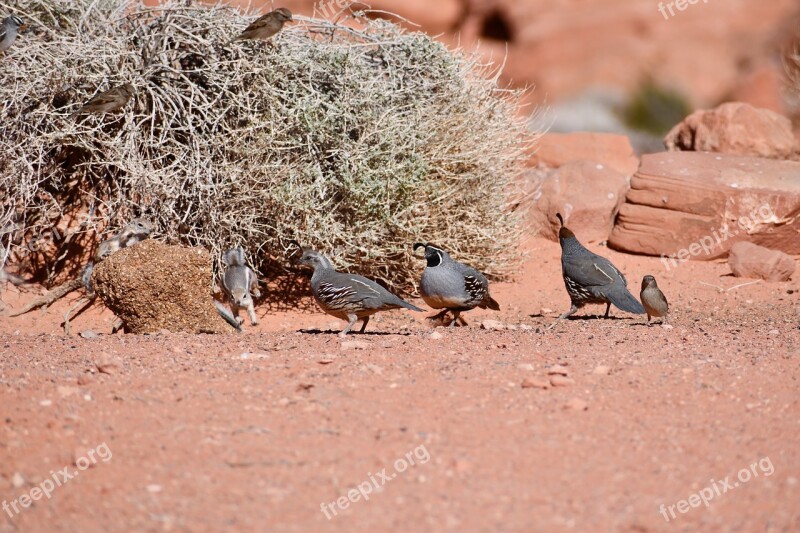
596 317
584 317
353 334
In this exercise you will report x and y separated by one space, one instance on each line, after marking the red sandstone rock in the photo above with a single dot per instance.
613 151
748 260
682 202
762 87
586 193
735 128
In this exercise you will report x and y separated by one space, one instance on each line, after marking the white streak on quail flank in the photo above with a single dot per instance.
603 272
365 285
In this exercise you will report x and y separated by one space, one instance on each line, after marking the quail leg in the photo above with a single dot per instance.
364 325
608 308
439 315
455 317
573 308
352 317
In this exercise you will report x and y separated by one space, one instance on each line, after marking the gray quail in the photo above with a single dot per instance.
654 301
266 26
8 31
108 101
452 286
591 279
347 296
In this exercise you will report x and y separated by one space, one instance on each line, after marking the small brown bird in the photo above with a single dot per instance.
108 101
267 25
654 301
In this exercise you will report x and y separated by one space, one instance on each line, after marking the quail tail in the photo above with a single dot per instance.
624 300
492 304
413 307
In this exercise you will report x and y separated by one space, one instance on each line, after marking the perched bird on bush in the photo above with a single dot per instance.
108 101
654 301
266 26
8 31
240 284
347 296
452 286
591 279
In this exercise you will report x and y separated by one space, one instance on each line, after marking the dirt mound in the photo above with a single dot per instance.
154 286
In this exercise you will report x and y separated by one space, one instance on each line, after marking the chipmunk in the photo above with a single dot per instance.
240 284
135 231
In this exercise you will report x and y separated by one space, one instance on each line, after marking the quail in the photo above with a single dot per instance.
240 284
266 26
8 31
591 279
654 301
108 101
452 286
348 296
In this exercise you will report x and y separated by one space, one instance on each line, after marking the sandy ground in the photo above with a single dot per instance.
442 429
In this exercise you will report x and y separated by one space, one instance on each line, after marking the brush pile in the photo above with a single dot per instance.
356 137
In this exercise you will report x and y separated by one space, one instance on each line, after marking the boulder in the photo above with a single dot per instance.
693 205
153 286
735 128
586 193
748 260
613 151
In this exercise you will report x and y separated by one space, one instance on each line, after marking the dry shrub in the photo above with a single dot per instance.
357 140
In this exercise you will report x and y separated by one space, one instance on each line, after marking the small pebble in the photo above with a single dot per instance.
108 364
558 370
535 383
561 381
576 404
492 325
354 345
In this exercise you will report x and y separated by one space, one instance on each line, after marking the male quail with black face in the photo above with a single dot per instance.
452 286
348 296
591 279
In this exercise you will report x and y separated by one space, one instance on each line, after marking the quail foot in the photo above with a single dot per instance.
654 301
349 297
591 279
108 101
266 26
452 286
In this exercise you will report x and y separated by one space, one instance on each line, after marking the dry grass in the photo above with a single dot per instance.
357 142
